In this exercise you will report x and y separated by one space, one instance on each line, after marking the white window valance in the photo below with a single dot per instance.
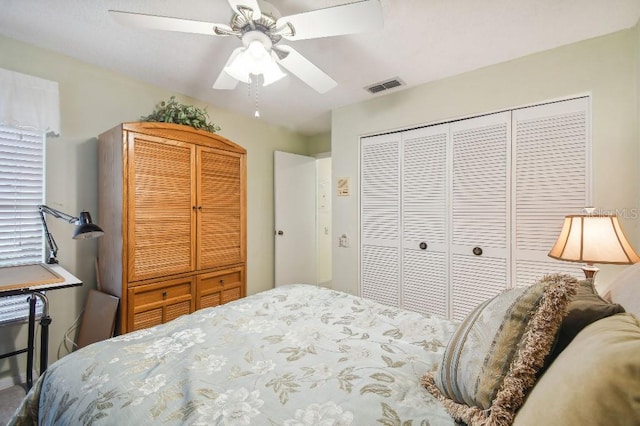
29 102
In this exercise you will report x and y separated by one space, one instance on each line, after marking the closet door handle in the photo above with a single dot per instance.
423 245
477 251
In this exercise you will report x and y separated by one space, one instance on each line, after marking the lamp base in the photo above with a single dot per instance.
590 271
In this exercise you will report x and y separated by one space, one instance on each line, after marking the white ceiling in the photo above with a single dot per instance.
422 41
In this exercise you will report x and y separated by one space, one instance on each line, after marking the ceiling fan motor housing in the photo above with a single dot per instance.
257 36
243 23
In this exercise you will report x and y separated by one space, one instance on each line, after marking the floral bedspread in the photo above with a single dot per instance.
294 355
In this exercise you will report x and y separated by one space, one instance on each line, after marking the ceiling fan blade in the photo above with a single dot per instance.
224 80
349 18
251 4
304 69
153 22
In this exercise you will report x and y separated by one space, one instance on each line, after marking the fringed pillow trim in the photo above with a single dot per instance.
535 346
460 412
537 343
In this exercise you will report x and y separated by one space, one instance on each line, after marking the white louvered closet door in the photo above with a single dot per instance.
425 254
480 190
380 219
552 169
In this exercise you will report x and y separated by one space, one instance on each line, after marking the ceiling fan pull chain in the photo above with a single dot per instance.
257 113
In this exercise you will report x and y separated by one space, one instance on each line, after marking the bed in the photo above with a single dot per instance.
294 355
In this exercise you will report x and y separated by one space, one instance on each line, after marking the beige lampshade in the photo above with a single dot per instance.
593 239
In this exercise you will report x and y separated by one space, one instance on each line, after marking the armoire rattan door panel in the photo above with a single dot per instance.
220 208
160 216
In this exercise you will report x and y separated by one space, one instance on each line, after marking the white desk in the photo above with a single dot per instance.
34 280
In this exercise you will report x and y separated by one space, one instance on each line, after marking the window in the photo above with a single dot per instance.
21 191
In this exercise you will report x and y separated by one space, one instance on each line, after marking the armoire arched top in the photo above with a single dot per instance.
180 132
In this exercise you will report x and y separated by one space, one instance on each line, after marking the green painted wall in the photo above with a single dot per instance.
93 100
604 67
319 144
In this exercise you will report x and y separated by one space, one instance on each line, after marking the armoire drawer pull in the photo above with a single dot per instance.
422 245
477 251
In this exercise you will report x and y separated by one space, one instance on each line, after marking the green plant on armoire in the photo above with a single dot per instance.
172 111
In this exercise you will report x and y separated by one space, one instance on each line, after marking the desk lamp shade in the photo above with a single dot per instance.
85 228
593 239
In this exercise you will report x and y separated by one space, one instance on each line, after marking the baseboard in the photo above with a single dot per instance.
7 382
326 284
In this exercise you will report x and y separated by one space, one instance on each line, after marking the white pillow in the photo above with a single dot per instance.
625 289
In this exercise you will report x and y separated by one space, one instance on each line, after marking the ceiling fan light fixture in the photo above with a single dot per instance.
240 67
272 72
255 58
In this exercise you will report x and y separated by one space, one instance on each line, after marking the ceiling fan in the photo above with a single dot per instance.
261 28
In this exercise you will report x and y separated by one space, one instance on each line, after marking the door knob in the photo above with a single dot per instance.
423 246
280 232
477 251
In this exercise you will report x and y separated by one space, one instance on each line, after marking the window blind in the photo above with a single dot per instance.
21 191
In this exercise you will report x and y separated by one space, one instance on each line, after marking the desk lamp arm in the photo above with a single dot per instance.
51 242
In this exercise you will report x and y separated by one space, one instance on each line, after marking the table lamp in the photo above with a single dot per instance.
591 238
85 229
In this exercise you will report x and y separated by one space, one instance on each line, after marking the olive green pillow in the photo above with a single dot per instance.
491 360
594 381
585 308
625 289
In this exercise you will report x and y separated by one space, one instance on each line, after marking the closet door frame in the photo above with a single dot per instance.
510 252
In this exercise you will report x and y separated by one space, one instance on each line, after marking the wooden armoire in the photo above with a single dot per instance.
172 203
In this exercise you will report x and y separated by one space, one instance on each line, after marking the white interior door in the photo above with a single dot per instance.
295 219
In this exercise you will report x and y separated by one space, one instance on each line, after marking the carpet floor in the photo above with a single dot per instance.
10 399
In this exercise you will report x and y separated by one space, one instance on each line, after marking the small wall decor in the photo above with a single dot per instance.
343 187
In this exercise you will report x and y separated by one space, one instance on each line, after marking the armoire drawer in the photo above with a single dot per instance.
217 288
157 303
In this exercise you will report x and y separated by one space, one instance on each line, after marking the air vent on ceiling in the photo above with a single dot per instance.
385 85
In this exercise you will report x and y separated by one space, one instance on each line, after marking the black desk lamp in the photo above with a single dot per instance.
85 229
